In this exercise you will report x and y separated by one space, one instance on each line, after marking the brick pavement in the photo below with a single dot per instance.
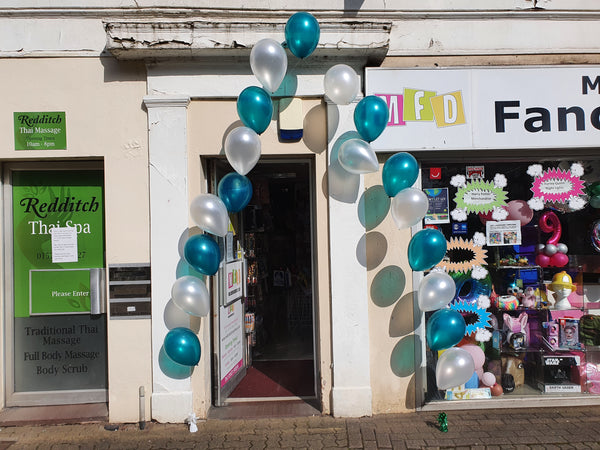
551 428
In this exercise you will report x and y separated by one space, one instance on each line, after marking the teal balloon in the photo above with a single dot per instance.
202 253
182 346
255 108
371 117
235 190
445 328
595 201
302 34
426 249
399 172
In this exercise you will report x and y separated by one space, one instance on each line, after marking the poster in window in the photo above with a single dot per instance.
506 232
438 206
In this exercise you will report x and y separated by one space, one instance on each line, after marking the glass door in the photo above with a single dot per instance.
230 345
55 319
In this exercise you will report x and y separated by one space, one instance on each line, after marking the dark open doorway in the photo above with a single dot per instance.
277 243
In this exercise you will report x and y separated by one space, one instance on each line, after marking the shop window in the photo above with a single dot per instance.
524 252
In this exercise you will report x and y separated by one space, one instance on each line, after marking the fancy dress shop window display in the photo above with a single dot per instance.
529 285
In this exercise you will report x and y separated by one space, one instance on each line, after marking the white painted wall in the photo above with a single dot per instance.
102 102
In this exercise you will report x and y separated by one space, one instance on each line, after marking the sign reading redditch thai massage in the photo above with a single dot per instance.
40 131
478 108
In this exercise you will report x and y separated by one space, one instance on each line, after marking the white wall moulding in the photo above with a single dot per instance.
499 35
276 6
210 38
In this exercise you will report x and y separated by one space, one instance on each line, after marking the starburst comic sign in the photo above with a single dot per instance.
479 196
556 185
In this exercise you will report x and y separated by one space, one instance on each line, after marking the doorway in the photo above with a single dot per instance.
55 323
276 237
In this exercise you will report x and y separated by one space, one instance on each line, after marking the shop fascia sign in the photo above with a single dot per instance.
478 108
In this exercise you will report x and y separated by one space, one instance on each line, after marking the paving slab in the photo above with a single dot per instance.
531 428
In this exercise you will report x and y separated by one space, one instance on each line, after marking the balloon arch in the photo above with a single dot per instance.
269 63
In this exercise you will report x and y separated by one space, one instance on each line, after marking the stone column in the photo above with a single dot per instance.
167 125
352 395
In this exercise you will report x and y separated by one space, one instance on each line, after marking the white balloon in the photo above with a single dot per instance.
210 213
436 290
408 207
357 156
268 61
242 148
341 84
191 295
454 367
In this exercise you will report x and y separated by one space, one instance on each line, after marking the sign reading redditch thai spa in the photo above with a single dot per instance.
40 131
58 235
478 108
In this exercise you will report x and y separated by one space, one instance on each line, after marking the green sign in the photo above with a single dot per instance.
40 131
48 200
59 291
58 235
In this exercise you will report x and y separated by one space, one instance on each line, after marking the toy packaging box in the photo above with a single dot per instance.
559 373
462 393
569 334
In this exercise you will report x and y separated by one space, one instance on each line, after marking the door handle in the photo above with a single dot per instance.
97 291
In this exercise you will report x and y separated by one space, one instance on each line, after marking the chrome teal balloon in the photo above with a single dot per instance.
426 249
399 172
302 34
371 117
182 346
255 108
202 253
235 190
445 328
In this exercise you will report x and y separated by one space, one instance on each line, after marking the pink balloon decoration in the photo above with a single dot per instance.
477 353
488 379
559 260
549 223
542 260
519 210
552 254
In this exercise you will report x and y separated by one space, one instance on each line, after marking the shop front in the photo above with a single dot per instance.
508 161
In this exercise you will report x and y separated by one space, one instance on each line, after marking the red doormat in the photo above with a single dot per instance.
277 379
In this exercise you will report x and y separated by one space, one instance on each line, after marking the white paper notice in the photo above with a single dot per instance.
64 245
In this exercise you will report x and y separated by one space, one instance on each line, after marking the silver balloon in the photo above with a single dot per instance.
268 62
242 148
341 84
408 207
550 250
191 295
436 290
562 248
357 156
210 213
454 367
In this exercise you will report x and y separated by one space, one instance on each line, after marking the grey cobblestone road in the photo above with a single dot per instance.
573 427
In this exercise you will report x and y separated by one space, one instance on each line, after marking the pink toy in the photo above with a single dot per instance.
529 299
514 325
591 374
